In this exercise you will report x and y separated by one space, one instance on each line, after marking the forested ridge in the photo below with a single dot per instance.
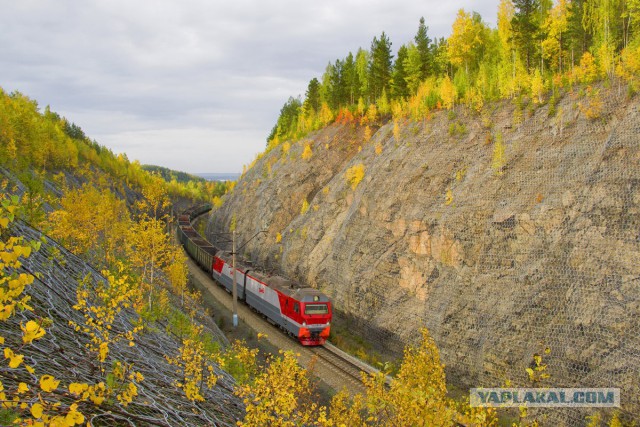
539 48
39 146
170 175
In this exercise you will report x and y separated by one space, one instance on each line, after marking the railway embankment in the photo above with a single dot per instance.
504 232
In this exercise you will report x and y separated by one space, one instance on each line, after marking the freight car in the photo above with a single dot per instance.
304 313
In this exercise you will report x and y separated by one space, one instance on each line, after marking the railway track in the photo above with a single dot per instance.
335 377
346 363
342 364
335 368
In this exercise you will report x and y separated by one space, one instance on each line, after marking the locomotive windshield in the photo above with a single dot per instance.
316 309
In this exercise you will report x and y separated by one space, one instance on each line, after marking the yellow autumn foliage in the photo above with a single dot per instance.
280 396
498 161
354 175
48 383
31 331
93 223
305 207
307 153
194 367
448 93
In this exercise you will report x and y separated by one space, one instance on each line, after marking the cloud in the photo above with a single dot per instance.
135 75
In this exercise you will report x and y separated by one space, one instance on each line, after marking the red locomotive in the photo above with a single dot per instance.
302 312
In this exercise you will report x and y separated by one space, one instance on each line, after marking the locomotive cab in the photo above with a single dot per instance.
315 313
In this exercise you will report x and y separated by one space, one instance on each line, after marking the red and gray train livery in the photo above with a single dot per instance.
304 313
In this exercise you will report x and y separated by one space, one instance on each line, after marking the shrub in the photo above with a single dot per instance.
354 175
307 153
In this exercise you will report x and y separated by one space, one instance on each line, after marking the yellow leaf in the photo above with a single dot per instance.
97 399
14 360
48 383
36 410
78 388
26 251
23 388
74 417
32 331
530 372
449 197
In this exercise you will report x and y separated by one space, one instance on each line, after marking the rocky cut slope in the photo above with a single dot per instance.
503 232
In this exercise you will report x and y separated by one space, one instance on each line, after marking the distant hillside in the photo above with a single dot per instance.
168 174
219 176
44 151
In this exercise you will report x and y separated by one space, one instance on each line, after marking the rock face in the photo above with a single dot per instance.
503 233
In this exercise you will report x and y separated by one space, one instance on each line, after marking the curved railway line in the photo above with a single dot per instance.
331 365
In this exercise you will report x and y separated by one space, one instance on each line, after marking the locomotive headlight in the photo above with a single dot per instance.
304 323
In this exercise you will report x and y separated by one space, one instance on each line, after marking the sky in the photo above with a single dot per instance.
193 85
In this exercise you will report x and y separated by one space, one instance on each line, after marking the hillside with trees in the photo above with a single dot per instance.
539 50
482 185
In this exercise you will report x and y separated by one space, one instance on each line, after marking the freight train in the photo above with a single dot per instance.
304 313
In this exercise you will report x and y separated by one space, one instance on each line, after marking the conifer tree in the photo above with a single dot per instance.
336 87
380 68
423 45
350 80
399 87
525 29
312 99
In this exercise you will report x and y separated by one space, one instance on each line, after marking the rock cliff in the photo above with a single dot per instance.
502 232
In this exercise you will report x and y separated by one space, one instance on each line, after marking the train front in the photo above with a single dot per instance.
316 317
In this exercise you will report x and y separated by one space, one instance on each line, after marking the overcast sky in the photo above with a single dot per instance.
193 85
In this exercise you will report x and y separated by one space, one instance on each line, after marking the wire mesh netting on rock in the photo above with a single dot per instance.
63 353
